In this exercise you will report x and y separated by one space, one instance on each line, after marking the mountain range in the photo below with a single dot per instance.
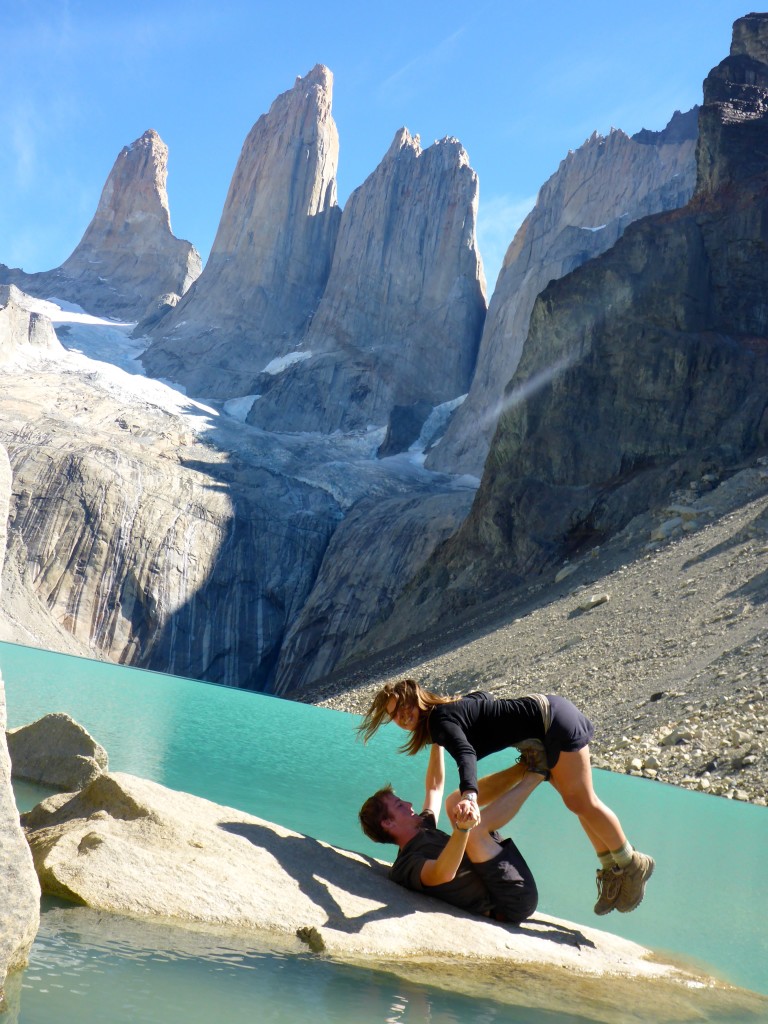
358 447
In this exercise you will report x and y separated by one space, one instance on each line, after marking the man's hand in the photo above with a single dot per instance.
467 813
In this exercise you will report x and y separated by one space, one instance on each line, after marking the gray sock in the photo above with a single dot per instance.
623 856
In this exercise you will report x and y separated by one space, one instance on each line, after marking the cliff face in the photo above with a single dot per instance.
153 532
401 314
372 555
128 257
243 557
19 888
272 253
580 212
640 368
134 538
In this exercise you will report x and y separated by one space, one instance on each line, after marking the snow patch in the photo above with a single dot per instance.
276 366
434 426
238 408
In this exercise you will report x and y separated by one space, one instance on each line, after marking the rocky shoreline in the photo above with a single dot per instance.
660 636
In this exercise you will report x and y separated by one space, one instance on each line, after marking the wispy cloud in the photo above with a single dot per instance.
22 132
401 83
498 218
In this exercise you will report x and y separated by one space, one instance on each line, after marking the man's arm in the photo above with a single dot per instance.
434 782
435 872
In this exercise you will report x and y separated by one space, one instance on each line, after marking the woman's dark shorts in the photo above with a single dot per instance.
570 730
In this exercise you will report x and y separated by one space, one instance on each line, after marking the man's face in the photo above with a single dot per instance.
404 715
399 812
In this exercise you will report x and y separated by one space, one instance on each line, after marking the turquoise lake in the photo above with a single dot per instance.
303 767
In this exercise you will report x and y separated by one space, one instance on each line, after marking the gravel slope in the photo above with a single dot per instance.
660 636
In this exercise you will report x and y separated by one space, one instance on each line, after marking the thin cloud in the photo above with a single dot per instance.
403 81
22 133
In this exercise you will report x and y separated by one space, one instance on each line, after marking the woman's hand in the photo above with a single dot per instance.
466 814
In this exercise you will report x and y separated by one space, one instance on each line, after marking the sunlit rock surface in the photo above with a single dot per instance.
129 846
128 256
23 334
580 212
19 888
400 317
272 253
56 751
144 543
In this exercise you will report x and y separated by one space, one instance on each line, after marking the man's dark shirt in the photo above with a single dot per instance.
466 890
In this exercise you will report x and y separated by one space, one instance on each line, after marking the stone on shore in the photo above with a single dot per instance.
19 888
130 846
56 751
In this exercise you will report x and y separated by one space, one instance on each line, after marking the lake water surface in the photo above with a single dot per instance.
302 767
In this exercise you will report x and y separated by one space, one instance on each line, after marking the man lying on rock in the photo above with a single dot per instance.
473 868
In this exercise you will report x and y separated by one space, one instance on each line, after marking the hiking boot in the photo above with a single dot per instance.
608 889
634 877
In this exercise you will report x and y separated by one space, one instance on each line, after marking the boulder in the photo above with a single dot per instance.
19 888
129 846
56 751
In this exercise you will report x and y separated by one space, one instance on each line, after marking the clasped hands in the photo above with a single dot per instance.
466 815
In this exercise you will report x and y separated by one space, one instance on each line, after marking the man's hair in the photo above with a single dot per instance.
373 812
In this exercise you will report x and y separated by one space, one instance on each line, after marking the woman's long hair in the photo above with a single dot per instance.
407 693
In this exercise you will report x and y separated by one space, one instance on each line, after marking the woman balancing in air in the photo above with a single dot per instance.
554 738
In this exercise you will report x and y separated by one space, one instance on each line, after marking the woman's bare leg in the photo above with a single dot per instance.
572 778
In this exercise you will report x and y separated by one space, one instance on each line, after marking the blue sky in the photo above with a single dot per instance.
518 82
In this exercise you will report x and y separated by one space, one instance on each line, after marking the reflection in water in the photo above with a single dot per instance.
89 966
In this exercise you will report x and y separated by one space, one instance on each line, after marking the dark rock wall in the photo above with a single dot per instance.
639 367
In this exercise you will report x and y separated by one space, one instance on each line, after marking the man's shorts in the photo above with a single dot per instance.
510 884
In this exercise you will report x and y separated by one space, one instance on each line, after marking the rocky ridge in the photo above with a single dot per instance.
155 532
271 256
580 212
400 318
128 260
23 334
642 369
